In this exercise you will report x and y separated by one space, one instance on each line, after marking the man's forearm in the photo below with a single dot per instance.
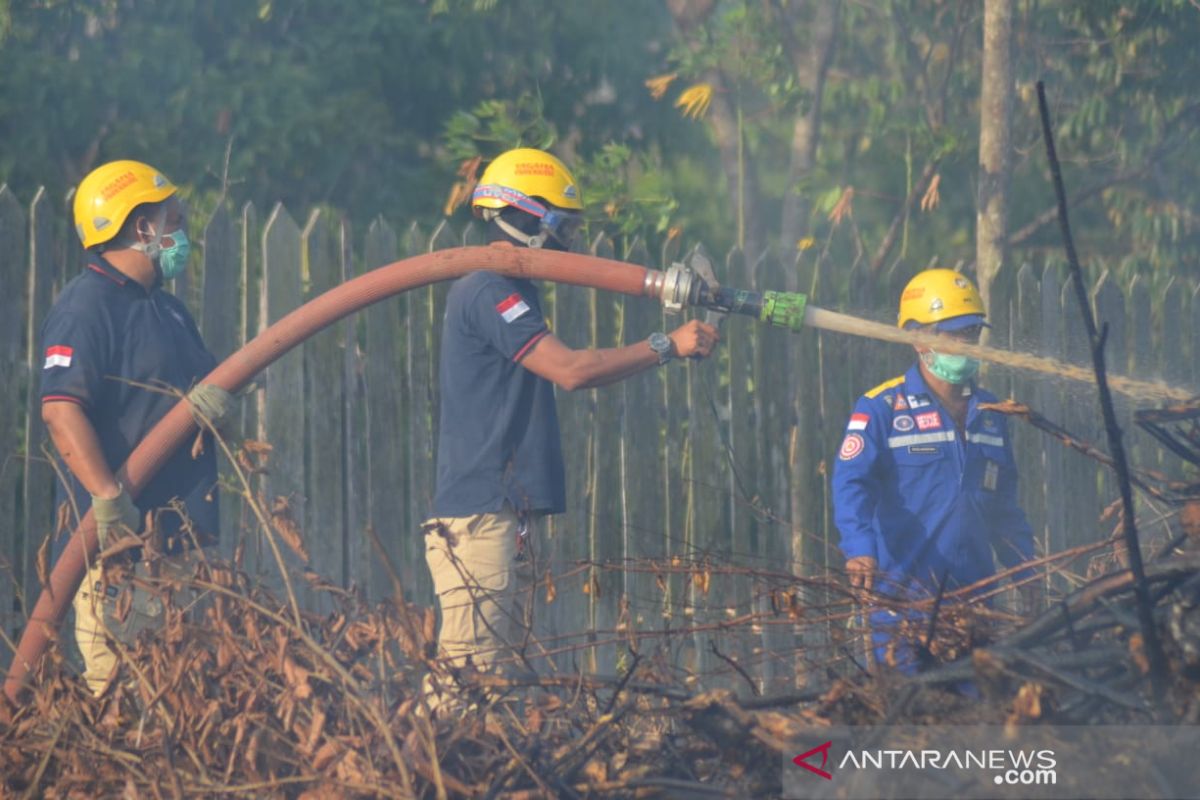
611 364
77 443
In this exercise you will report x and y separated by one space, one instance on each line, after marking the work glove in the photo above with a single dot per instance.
212 403
115 516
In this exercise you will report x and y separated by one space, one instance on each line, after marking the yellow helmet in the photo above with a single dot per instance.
110 192
937 296
518 175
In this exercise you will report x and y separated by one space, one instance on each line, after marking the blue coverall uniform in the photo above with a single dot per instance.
927 503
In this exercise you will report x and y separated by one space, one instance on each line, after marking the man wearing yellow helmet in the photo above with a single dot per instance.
112 341
925 484
499 460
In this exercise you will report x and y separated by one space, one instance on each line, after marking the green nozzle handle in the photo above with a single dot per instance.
785 309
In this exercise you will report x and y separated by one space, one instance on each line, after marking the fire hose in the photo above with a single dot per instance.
679 287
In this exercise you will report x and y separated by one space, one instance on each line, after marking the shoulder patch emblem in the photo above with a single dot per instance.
883 387
512 307
852 446
58 356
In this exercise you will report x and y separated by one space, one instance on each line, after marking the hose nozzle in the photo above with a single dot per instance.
785 309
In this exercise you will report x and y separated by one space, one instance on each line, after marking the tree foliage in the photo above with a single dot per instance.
684 117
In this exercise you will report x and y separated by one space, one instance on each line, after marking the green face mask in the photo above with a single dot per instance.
955 369
173 260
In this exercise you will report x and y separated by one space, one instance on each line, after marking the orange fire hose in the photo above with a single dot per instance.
237 371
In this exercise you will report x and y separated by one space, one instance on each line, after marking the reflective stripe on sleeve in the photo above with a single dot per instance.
986 438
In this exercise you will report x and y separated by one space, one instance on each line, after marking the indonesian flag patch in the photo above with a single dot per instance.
858 422
58 356
512 307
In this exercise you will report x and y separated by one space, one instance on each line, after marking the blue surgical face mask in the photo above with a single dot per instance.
172 261
955 369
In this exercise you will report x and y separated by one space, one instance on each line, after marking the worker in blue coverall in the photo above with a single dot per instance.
925 485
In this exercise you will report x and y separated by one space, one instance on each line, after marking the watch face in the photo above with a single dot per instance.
660 342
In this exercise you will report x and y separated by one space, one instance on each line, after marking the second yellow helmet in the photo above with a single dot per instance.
936 296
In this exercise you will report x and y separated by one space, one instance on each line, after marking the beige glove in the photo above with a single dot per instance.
115 516
212 403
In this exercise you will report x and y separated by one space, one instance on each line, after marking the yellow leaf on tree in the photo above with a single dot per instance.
844 208
931 198
805 243
659 84
694 100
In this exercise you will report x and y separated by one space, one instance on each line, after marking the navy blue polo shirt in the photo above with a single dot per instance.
498 439
104 331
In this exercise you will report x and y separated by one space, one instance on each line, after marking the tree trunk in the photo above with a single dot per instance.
995 136
811 66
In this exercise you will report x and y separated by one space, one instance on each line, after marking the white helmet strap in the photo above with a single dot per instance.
535 240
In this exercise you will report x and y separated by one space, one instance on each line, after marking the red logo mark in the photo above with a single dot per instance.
800 760
929 420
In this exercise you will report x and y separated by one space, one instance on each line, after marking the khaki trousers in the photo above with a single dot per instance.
97 611
479 583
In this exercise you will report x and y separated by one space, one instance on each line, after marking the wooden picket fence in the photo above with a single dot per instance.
673 474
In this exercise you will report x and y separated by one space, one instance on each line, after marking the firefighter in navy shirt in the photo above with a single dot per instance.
112 333
925 485
499 459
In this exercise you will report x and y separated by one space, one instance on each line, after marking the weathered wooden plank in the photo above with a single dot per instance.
1174 318
324 373
641 458
282 420
354 422
1109 305
740 451
605 517
571 613
1050 401
443 237
810 537
1142 361
388 484
1082 416
38 497
243 538
1028 442
14 272
422 411
1194 333
221 324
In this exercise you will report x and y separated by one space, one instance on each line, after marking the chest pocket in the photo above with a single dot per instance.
918 465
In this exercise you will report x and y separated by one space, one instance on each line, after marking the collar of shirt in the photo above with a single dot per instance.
97 264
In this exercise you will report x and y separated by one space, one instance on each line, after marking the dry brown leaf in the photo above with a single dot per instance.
1137 649
551 592
1028 702
286 525
297 678
596 771
844 208
931 199
43 562
326 754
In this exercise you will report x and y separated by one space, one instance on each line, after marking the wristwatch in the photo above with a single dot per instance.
662 345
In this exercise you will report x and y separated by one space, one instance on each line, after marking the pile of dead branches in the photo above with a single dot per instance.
246 695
